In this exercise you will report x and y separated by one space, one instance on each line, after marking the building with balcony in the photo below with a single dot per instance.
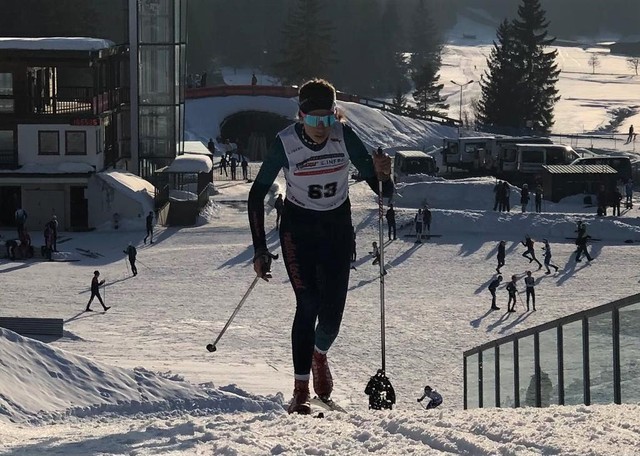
72 108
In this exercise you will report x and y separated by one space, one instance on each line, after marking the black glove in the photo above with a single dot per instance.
262 263
419 400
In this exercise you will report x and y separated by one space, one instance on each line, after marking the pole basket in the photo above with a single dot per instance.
381 394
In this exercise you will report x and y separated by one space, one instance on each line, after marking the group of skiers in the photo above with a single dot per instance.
230 157
582 239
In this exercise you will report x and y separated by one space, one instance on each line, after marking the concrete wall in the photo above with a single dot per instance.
28 145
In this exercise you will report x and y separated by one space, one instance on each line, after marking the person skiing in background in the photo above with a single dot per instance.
95 291
316 233
132 252
48 237
54 233
435 399
376 254
628 190
493 286
616 201
513 291
223 165
254 79
582 248
530 290
547 257
233 163
630 135
524 197
426 219
381 394
530 254
418 224
538 197
149 221
501 255
279 206
244 164
391 221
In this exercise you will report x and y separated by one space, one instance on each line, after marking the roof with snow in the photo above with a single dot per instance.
131 185
55 44
579 169
195 147
189 164
59 168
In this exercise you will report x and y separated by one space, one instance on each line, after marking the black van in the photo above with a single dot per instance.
620 163
409 162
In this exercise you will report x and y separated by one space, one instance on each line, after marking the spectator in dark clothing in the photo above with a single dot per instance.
501 255
21 219
233 162
418 225
602 201
524 197
245 166
223 165
203 79
391 221
530 290
617 199
496 195
530 254
500 194
513 291
211 146
380 391
493 286
48 236
254 80
630 137
426 219
547 257
435 399
95 291
132 252
149 221
628 190
538 198
353 247
279 206
54 233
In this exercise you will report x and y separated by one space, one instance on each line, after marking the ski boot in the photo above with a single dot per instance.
300 402
322 379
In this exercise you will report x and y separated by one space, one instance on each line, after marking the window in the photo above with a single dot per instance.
48 143
76 143
6 105
6 84
7 147
473 382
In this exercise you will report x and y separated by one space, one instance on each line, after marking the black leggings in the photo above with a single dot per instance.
317 257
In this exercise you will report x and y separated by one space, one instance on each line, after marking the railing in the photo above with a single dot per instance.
290 92
66 100
111 99
590 357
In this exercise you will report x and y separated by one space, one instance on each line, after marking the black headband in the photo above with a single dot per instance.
317 102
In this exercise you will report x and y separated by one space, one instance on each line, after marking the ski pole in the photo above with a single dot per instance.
148 267
382 271
212 347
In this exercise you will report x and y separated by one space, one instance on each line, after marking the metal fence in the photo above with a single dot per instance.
590 357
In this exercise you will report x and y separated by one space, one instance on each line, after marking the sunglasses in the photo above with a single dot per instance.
314 121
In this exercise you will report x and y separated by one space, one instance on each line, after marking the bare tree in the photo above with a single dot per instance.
594 62
634 63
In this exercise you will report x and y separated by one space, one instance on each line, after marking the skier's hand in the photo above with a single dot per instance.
382 165
262 263
419 400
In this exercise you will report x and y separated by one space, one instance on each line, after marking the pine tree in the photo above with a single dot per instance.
426 59
519 86
307 46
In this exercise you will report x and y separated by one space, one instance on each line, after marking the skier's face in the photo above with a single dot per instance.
319 125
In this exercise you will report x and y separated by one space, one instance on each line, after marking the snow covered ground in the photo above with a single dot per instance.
137 380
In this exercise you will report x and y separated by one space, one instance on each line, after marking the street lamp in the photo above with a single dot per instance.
461 87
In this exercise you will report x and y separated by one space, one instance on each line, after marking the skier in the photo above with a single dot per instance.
244 164
376 254
582 248
353 248
21 218
513 291
95 291
524 197
615 202
391 221
47 249
426 219
547 257
149 228
501 255
530 254
54 233
233 164
380 391
530 290
538 197
223 165
132 252
435 399
492 289
316 233
418 224
278 205
506 196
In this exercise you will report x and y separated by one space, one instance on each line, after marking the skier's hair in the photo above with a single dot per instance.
499 277
96 272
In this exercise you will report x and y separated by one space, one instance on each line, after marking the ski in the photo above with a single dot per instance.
327 404
88 252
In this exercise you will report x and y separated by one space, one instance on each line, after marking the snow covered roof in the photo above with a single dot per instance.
56 44
195 147
60 168
133 186
189 164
